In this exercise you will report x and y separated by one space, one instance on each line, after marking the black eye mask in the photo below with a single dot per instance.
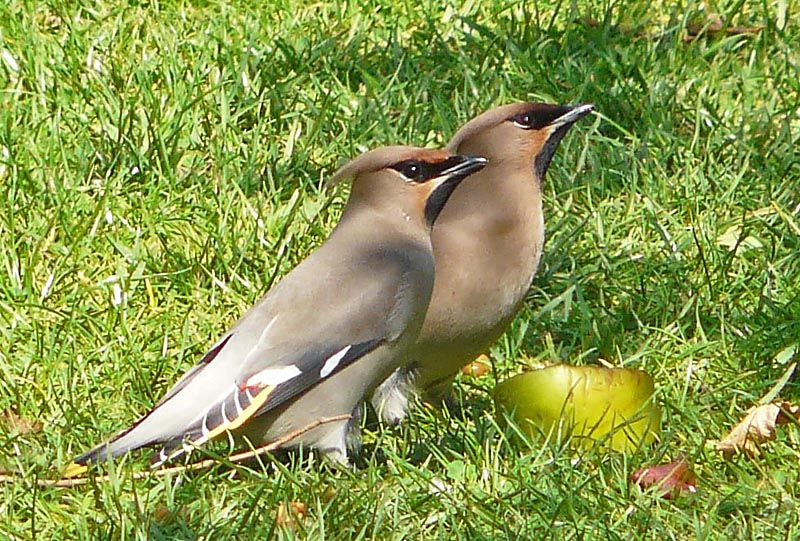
419 171
539 116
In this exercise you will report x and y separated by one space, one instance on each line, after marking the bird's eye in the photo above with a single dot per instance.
524 121
412 170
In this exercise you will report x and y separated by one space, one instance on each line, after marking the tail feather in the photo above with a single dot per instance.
115 446
111 448
228 414
148 431
173 416
241 405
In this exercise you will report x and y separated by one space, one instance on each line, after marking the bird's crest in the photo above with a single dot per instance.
487 120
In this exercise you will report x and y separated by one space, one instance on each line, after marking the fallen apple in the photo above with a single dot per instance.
590 404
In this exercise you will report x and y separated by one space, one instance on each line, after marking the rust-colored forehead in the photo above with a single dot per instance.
381 158
489 119
432 155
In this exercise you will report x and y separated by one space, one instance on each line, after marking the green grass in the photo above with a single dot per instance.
162 164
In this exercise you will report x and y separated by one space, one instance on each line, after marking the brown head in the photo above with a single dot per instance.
408 182
519 132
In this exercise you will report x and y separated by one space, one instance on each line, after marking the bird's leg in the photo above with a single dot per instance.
440 394
391 398
353 436
333 444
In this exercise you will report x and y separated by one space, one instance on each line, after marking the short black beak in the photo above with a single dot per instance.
572 115
455 169
462 166
559 127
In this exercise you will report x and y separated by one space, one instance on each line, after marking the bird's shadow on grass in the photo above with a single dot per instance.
448 430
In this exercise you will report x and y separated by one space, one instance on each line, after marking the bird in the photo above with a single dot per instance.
487 244
321 339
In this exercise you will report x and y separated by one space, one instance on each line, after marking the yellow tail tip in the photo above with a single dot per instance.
75 469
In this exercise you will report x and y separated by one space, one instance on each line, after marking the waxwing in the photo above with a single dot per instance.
320 341
487 244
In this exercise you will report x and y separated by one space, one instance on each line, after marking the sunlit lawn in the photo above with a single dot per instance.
162 164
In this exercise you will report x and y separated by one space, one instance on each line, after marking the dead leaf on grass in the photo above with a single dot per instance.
288 515
714 25
732 239
671 479
11 421
757 427
163 514
477 368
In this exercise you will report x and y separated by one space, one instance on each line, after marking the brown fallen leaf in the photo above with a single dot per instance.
290 514
671 479
163 514
11 421
757 427
741 30
477 368
713 26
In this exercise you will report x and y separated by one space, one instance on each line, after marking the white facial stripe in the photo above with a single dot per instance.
272 377
331 364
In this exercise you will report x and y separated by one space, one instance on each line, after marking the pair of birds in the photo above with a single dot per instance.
407 289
